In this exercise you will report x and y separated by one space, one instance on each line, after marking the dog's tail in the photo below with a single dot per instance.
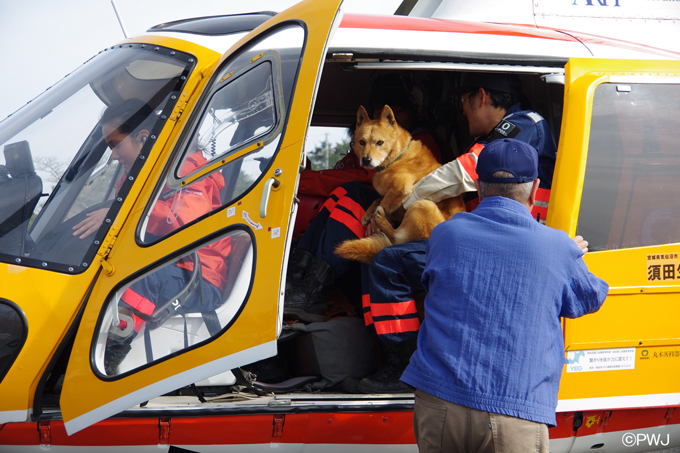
364 249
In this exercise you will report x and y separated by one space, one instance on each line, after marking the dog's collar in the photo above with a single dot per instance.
382 167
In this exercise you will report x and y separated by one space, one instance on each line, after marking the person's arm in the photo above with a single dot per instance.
450 180
586 291
174 209
94 219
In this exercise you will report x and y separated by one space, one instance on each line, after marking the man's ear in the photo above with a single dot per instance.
479 192
483 97
532 198
362 115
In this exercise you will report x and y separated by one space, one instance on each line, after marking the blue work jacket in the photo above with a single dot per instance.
498 282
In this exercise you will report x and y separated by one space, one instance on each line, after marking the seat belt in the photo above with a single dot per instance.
212 322
245 379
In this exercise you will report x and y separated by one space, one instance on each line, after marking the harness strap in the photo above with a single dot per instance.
212 322
147 337
147 345
198 393
245 379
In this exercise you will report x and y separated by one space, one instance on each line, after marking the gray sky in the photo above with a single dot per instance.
43 40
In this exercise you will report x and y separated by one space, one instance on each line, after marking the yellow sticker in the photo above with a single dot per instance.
592 420
663 267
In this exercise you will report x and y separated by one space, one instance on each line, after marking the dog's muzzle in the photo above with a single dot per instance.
366 162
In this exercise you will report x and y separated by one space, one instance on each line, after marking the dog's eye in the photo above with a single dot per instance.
362 142
380 142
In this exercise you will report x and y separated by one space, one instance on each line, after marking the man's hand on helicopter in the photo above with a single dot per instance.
582 243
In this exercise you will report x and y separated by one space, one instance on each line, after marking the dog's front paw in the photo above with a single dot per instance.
379 212
368 216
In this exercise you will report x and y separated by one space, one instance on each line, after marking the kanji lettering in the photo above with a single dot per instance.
669 271
654 272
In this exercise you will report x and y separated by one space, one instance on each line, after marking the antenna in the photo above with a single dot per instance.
120 21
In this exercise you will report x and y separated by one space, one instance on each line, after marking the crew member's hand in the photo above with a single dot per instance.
93 220
582 243
370 228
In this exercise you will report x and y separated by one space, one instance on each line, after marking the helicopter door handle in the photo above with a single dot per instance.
265 195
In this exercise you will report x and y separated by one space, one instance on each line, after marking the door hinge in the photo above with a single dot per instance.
179 108
188 91
106 249
277 431
45 434
163 431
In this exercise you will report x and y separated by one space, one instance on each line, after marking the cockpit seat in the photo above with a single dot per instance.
169 338
21 189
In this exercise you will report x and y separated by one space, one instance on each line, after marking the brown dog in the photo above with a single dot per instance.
399 162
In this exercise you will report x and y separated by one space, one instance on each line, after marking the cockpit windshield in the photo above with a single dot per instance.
70 157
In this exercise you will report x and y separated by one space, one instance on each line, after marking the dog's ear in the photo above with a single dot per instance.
387 116
362 115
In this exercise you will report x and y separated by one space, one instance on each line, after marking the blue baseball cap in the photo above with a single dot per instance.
508 154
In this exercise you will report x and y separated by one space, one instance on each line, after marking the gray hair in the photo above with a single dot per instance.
518 191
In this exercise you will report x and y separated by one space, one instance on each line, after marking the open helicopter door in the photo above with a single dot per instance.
616 183
218 215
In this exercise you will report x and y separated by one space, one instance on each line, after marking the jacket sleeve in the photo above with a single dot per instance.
175 209
450 180
586 292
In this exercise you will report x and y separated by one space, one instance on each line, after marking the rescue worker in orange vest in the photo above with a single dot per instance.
313 266
125 128
491 104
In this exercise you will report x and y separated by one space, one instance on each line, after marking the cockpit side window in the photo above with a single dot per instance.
633 171
174 306
241 111
234 139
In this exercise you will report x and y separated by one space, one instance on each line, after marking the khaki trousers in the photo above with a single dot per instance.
447 427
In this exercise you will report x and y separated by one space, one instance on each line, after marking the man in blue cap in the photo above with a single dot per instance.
490 349
490 102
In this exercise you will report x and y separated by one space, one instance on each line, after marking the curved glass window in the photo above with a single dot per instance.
63 174
239 112
175 306
13 333
633 171
234 138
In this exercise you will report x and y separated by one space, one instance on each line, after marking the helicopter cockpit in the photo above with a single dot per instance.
56 167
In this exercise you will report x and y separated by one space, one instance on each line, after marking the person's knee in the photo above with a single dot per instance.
382 263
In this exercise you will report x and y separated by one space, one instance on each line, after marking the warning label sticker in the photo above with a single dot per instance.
601 360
